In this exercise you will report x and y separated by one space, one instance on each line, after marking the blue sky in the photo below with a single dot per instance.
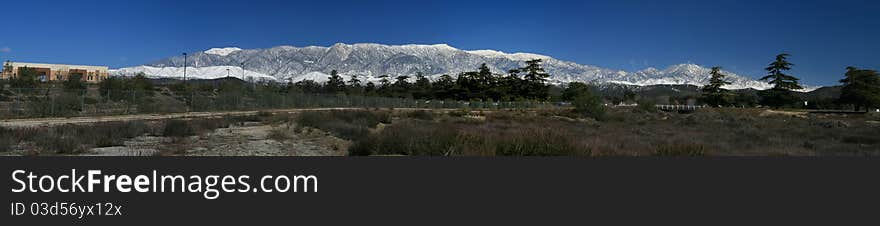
742 36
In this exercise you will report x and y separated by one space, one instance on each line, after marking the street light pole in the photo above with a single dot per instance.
184 67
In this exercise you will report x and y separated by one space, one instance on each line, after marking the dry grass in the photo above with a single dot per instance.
281 133
344 124
628 132
77 138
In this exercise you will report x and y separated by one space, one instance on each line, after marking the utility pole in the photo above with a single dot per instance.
184 67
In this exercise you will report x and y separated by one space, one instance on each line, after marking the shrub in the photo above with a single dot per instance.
540 141
114 133
277 118
178 128
344 124
417 137
6 140
646 105
280 133
421 114
65 104
861 139
590 106
459 113
680 150
264 114
209 124
409 138
60 140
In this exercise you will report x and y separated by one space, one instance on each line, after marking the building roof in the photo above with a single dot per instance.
56 66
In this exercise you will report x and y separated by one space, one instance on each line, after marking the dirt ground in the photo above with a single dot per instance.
246 139
241 139
37 122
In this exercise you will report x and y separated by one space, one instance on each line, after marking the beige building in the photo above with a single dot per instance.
56 72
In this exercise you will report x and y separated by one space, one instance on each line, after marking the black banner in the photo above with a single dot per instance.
460 191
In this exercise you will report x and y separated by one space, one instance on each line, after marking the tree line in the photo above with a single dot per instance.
860 88
525 83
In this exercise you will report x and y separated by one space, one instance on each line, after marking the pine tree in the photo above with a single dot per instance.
402 87
422 88
354 81
370 88
465 86
535 78
574 90
861 88
783 84
482 82
334 83
516 86
777 76
483 78
443 87
354 85
384 85
713 93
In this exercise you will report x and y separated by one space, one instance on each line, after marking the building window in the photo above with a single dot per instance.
57 77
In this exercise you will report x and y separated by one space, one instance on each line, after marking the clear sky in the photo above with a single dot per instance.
742 36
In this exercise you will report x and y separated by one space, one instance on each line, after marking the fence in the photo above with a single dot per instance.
55 102
687 108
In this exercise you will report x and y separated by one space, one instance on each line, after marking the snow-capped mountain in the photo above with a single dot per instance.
369 61
222 51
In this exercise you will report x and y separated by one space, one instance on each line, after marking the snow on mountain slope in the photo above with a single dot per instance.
211 72
369 61
222 51
514 56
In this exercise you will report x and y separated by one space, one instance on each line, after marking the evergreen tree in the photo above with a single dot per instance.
861 88
26 78
535 78
354 85
422 87
370 88
464 86
713 94
783 84
584 102
443 87
384 85
574 90
334 83
308 86
402 87
515 85
74 82
354 81
777 76
142 84
483 79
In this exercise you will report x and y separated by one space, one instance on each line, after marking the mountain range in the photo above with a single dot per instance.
369 61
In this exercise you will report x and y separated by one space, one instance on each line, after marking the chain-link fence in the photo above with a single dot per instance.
55 102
